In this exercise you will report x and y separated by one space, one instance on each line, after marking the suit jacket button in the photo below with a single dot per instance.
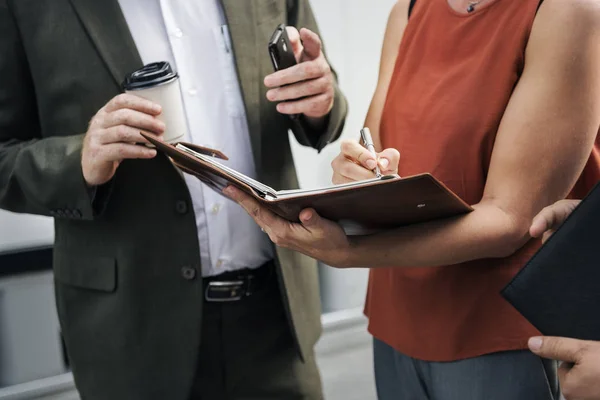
188 273
181 207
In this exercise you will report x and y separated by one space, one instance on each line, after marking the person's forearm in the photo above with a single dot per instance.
487 232
44 177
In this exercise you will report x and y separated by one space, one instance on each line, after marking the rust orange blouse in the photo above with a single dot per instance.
452 82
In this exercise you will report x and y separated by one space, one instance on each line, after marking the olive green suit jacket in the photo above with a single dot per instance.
129 306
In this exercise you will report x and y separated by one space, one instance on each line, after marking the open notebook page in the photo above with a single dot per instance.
260 187
296 192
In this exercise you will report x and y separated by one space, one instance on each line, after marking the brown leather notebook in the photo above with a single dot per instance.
361 207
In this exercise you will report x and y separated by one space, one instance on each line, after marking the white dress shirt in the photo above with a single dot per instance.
193 37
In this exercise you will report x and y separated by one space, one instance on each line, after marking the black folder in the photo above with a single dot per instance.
558 290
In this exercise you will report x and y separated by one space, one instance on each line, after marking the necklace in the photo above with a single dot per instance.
472 4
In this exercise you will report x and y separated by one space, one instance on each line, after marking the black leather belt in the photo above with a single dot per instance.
237 285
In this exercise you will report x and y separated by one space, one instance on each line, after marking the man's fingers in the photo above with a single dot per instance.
134 119
556 348
268 222
298 73
295 41
132 102
124 151
313 222
122 133
301 89
277 228
315 106
311 42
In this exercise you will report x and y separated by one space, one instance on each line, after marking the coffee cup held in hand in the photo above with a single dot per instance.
158 83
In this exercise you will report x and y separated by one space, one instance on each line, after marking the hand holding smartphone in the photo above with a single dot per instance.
306 91
281 52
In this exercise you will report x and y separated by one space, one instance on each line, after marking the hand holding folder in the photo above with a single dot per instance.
558 290
580 359
400 201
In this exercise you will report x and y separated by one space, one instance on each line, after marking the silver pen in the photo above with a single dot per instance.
365 134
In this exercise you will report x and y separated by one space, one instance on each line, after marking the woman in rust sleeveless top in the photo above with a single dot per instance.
500 100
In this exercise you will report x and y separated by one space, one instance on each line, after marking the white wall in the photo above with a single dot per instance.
353 34
19 231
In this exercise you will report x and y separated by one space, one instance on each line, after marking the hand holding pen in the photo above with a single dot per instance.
367 140
356 162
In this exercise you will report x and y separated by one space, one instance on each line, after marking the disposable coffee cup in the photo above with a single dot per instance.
158 83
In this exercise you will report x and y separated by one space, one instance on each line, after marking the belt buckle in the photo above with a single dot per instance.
233 287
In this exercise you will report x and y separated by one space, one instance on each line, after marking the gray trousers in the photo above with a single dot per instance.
511 375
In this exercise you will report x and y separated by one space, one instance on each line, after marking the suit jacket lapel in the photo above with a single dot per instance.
241 19
108 29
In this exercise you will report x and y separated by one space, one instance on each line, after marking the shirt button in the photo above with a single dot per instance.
181 207
188 273
216 208
219 263
192 92
178 33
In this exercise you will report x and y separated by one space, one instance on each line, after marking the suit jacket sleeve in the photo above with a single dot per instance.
37 176
300 15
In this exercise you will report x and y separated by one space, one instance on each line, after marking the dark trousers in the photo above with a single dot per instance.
511 375
248 353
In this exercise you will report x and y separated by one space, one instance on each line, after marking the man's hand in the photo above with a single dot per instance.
356 163
113 133
551 217
579 374
308 87
314 236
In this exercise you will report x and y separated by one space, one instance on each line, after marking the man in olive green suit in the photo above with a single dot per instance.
163 290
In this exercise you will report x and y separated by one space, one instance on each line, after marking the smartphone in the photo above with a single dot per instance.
280 49
281 52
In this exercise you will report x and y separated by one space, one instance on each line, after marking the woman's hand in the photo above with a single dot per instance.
356 163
